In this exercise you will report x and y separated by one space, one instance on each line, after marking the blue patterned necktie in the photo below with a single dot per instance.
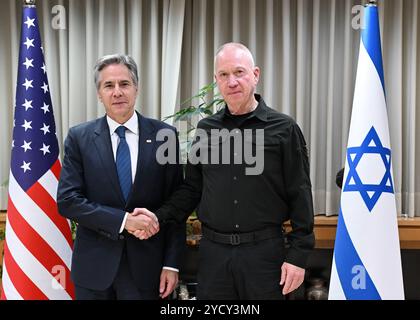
123 163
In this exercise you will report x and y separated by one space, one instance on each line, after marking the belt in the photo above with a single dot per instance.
235 239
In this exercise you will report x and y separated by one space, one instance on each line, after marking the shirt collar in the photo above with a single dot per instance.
131 124
260 111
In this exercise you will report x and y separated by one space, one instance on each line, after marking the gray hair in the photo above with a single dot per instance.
116 59
234 45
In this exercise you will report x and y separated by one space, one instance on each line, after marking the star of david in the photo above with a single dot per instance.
370 192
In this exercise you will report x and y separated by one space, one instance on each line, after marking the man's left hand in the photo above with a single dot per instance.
168 282
291 277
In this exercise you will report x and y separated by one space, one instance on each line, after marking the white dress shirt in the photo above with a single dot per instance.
131 136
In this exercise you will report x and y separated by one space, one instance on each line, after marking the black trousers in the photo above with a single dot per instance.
122 288
248 271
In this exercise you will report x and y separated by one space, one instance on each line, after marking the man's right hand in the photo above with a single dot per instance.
142 223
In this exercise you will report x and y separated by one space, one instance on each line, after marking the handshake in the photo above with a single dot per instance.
142 223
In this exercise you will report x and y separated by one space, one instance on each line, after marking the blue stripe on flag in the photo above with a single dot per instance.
371 39
347 258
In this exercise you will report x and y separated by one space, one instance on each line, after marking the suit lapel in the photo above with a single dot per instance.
102 140
147 136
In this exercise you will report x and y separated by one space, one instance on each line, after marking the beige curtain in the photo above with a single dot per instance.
307 51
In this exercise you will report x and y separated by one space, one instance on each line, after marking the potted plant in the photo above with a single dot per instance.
189 114
199 106
187 117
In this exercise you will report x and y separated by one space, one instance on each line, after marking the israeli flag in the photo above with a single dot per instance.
367 261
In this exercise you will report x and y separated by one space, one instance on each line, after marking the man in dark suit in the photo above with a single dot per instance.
110 168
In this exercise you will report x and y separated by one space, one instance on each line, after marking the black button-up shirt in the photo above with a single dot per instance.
229 198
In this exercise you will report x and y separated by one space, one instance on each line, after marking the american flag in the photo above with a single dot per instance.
38 245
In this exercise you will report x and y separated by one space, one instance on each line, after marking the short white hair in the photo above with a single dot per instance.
234 45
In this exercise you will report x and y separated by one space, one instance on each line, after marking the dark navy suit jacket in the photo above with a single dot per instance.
89 194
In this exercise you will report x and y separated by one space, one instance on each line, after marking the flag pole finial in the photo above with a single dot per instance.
29 3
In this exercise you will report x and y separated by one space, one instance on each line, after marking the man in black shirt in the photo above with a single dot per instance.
248 172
